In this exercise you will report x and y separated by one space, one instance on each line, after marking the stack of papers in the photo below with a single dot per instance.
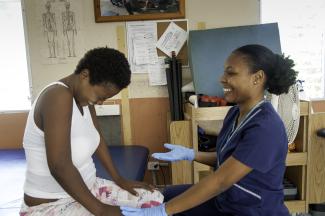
142 43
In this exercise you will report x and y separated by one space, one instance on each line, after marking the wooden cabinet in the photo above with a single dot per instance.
185 133
316 160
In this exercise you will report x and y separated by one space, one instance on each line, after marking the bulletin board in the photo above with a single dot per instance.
183 53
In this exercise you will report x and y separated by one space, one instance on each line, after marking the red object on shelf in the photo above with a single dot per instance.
205 98
211 101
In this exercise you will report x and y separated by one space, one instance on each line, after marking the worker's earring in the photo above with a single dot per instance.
255 83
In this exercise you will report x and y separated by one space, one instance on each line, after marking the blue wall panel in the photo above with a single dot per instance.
209 49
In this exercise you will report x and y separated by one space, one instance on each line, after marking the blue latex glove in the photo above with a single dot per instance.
177 153
154 211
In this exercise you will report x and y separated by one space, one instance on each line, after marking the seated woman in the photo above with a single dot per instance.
251 148
62 134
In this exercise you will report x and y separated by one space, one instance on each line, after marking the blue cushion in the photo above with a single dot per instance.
130 161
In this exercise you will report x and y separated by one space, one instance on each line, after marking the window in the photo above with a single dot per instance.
14 84
302 33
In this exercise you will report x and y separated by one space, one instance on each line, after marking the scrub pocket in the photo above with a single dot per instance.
242 196
274 201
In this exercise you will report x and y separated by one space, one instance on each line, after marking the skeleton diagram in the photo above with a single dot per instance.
49 25
69 29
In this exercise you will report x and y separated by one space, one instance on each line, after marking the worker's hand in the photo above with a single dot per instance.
130 185
154 211
177 153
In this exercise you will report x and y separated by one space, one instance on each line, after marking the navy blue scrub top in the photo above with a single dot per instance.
260 142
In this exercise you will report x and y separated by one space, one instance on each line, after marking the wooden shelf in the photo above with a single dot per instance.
296 159
219 113
205 113
304 108
295 206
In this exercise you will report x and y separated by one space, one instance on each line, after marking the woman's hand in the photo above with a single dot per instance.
130 185
177 153
156 211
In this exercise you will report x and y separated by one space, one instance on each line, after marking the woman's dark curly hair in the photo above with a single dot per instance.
279 71
105 65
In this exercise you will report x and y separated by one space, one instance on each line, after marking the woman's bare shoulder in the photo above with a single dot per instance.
55 97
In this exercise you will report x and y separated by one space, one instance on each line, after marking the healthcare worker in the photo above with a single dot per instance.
251 149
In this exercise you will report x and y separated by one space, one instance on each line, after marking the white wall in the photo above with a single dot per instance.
215 13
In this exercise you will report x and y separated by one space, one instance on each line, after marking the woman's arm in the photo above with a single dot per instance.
207 158
230 172
56 112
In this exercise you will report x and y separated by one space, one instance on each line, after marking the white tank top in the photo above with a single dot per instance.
85 139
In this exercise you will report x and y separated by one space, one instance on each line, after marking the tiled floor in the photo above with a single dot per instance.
11 209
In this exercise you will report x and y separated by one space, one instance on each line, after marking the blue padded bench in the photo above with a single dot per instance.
130 161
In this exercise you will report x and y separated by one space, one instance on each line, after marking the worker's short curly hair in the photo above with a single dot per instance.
279 71
105 65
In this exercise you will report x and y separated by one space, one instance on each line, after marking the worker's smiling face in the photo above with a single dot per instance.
237 80
95 94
